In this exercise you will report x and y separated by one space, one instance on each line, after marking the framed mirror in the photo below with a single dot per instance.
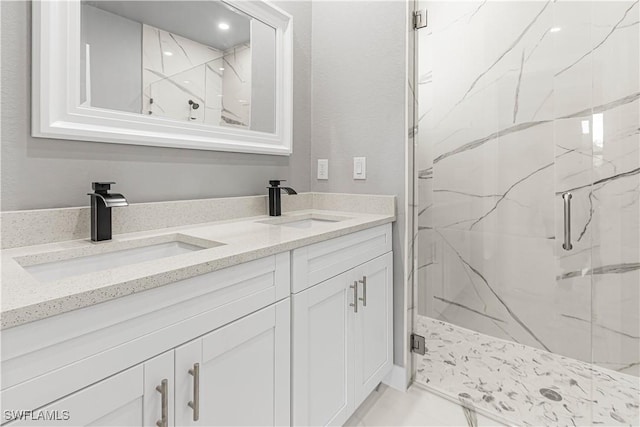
203 74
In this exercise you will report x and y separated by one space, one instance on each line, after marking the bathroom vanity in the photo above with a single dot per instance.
203 312
250 321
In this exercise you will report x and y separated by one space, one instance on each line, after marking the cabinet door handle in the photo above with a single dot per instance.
355 296
163 389
364 291
195 403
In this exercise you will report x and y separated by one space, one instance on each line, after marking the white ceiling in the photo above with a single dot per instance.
195 20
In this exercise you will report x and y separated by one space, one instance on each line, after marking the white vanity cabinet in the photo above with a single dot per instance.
322 354
341 327
130 398
237 375
373 326
114 401
297 338
105 364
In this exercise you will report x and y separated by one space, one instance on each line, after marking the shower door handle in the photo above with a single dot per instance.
567 246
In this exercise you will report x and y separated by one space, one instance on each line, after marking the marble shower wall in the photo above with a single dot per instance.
236 86
520 102
177 70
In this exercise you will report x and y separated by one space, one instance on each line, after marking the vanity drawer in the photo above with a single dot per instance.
78 348
316 263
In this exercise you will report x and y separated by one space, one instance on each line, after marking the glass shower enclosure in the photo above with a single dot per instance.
527 167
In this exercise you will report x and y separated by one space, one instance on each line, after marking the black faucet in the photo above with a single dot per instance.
101 203
275 204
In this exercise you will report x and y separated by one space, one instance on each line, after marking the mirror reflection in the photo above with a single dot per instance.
193 61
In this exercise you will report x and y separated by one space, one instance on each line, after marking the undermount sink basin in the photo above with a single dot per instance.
304 220
105 256
306 223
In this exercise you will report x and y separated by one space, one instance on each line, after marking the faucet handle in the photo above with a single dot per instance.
276 182
101 186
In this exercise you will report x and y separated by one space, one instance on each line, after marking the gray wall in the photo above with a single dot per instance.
115 45
359 77
47 173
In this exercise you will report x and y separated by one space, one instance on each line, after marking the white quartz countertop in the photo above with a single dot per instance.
26 299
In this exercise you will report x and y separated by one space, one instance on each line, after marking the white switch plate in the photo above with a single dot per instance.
359 168
323 168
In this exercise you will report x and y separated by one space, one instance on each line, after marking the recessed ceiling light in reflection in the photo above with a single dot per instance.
223 26
221 68
555 29
168 53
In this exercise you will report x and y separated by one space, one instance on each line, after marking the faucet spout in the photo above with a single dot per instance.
275 201
289 190
101 203
111 200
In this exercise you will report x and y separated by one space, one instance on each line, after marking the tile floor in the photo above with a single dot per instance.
416 407
523 384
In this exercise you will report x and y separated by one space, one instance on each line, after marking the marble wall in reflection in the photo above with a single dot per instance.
189 81
513 113
236 86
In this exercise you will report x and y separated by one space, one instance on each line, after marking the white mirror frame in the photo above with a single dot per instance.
57 113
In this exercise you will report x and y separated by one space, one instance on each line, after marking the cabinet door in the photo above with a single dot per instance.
115 401
373 324
322 390
159 390
126 399
242 374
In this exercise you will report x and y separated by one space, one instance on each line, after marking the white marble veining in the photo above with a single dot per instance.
521 384
512 113
236 87
223 243
177 70
174 71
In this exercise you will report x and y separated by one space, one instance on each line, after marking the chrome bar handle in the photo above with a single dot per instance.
195 403
364 291
163 389
567 246
355 296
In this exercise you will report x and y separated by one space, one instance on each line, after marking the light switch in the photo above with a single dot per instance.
359 168
323 168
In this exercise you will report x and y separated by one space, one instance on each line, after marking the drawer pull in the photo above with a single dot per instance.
195 403
163 389
364 291
355 296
